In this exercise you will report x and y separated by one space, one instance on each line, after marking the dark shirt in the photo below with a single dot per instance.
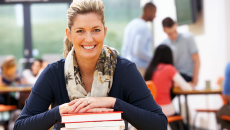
129 88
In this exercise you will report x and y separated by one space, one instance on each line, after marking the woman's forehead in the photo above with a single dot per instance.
87 20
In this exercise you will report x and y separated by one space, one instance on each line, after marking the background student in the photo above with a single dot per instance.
185 52
162 72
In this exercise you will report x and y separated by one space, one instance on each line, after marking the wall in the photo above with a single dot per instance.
213 45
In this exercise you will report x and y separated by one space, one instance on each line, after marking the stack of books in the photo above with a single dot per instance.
93 121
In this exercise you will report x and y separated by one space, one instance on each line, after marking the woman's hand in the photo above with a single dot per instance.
64 108
85 104
94 110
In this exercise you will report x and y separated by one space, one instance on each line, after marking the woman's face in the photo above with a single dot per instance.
36 66
10 71
87 35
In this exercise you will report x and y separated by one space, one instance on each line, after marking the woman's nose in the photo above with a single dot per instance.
89 37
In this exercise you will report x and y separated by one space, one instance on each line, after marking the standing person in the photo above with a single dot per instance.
185 52
225 110
91 78
162 72
137 41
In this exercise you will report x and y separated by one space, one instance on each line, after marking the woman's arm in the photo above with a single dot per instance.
1 83
139 107
178 79
35 114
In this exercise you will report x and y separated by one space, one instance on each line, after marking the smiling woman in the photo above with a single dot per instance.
91 78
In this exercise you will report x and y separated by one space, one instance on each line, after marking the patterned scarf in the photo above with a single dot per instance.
103 75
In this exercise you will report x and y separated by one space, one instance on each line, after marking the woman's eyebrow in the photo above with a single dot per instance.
78 28
84 28
97 26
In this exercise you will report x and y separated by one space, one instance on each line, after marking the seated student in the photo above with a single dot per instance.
162 72
30 75
225 110
8 76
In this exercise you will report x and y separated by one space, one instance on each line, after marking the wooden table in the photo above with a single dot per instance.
179 92
15 89
21 89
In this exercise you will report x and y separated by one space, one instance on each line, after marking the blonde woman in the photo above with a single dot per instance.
8 73
8 76
91 78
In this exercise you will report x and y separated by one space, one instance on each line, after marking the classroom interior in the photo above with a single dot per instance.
35 30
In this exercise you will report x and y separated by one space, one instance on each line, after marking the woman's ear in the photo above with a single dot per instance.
105 30
67 33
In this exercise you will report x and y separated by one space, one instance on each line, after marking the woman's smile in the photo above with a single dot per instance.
88 47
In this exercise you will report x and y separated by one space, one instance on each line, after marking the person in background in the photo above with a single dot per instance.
30 75
137 40
44 64
185 52
91 78
8 72
162 72
8 76
225 110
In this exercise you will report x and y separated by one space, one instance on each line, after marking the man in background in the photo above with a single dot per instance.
185 53
137 41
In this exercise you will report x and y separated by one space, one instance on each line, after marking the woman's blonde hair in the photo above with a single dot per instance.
9 62
81 7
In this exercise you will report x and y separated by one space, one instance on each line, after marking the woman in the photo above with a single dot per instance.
162 72
92 78
8 73
8 76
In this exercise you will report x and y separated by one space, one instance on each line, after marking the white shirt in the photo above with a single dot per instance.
29 77
137 43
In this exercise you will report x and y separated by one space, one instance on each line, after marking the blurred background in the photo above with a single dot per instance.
31 29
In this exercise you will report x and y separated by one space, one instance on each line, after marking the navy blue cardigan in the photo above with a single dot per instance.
129 88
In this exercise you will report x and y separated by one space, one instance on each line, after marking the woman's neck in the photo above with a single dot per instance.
87 67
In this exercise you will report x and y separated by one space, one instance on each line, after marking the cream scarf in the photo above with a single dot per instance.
103 75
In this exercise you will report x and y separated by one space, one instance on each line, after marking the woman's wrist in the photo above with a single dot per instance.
112 101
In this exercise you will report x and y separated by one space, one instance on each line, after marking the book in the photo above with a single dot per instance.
95 124
96 128
85 117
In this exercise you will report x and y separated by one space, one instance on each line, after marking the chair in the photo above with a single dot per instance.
152 88
207 110
153 91
225 117
4 108
219 82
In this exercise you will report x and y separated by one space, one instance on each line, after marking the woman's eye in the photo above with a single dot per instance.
79 31
97 30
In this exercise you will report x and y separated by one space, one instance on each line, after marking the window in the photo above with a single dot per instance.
48 28
11 32
118 13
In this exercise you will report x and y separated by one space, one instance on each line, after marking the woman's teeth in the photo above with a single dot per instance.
88 47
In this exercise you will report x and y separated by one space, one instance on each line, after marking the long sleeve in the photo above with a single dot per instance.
139 107
35 114
177 78
142 46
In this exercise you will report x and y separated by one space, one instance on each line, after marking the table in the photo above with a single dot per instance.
15 89
8 89
179 92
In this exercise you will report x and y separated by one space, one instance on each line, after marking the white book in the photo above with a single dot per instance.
85 117
95 124
96 128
